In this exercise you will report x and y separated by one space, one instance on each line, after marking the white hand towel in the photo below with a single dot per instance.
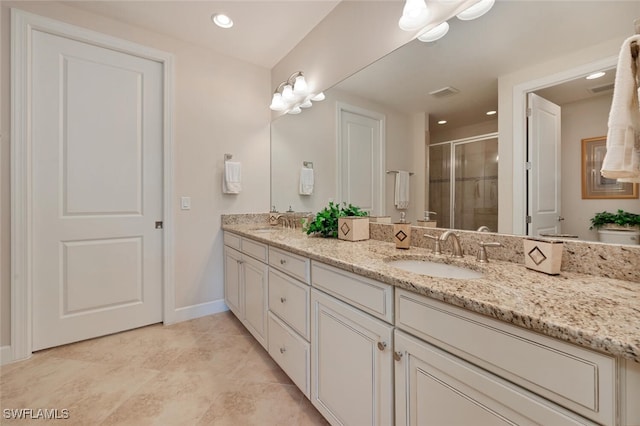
232 177
622 159
306 181
402 190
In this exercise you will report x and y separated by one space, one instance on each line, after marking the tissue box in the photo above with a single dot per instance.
543 255
353 228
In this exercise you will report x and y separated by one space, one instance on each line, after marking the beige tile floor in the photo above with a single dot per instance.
208 371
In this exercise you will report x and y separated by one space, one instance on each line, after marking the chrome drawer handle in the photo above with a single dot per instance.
283 350
283 299
397 356
382 345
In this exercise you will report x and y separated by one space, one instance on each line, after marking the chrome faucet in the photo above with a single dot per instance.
457 249
483 228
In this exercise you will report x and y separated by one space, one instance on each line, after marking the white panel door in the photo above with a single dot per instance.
361 162
544 183
97 185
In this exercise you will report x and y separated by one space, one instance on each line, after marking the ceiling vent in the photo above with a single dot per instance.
444 92
601 89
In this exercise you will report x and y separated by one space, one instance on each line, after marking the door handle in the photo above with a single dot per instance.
560 218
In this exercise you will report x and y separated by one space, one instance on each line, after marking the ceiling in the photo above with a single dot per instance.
514 35
264 31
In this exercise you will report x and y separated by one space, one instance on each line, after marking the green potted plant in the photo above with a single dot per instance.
621 220
325 222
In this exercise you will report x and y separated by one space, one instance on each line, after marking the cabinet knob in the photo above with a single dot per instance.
283 350
397 355
382 345
283 299
240 262
283 261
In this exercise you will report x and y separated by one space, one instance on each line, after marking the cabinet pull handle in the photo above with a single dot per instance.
283 299
283 350
397 355
382 345
283 261
240 262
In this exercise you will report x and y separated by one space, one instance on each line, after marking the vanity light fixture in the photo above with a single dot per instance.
415 15
476 10
435 33
293 94
222 20
595 75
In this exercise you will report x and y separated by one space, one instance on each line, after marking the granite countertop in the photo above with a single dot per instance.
595 312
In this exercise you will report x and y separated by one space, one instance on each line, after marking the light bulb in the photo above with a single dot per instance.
222 20
300 86
435 33
415 15
306 104
476 11
277 103
295 110
287 93
319 97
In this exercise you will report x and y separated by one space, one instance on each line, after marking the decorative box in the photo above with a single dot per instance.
402 235
428 223
380 219
353 228
543 255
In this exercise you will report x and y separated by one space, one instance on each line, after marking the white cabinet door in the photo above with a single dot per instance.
436 388
351 364
254 274
232 288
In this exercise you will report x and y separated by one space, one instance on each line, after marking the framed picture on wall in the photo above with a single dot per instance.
594 185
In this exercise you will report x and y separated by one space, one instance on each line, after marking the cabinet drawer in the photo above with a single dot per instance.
574 377
255 249
291 353
292 264
232 240
289 300
371 296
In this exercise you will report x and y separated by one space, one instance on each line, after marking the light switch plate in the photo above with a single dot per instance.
185 203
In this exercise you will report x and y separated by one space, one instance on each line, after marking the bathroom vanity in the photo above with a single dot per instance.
369 343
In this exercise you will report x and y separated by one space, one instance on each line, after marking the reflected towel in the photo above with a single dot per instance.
306 181
622 159
232 177
402 190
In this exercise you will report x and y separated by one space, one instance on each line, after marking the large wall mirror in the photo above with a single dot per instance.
457 79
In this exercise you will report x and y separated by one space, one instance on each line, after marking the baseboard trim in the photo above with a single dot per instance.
199 310
6 355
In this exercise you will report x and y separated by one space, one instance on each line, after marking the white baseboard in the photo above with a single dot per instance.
200 310
6 355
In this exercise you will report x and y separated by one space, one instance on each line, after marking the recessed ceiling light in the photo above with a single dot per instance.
492 112
442 122
222 20
595 75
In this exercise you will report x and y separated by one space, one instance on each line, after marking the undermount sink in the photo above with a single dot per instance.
264 230
435 269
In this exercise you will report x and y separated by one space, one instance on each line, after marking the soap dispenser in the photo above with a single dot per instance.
273 216
402 233
427 221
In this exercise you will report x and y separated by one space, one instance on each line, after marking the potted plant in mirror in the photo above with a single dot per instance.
345 222
616 221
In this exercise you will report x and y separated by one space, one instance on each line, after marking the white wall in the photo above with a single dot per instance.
211 118
581 120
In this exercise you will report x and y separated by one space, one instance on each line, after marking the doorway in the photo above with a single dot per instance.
85 214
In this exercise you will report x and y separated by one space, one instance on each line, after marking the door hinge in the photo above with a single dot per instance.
528 219
528 165
159 224
528 112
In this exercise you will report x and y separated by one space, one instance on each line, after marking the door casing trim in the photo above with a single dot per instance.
22 26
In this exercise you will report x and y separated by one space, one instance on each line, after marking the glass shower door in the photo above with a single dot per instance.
440 184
